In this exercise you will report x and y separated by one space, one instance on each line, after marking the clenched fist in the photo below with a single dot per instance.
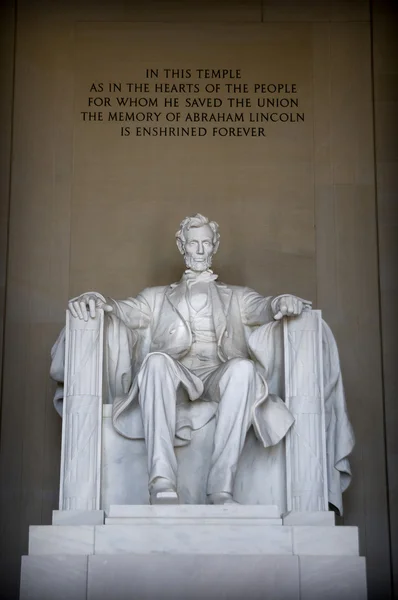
289 306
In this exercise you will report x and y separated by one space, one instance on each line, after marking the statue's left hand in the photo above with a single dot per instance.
289 306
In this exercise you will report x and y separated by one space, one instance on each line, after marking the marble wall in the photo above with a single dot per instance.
91 210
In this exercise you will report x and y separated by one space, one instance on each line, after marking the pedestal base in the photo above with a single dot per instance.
195 552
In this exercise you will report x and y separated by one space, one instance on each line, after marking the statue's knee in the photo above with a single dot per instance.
157 361
242 367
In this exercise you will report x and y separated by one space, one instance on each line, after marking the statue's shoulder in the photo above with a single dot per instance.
151 292
239 290
241 293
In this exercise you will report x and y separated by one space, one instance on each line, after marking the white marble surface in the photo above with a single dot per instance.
157 343
183 577
306 471
53 578
195 511
78 517
81 450
188 521
318 541
61 539
222 552
173 317
125 473
332 577
124 466
261 473
200 539
319 518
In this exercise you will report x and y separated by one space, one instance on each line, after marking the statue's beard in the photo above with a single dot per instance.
196 265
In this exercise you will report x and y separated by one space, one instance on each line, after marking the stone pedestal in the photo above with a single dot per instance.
179 552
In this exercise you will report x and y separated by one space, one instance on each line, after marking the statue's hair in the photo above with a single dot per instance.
197 220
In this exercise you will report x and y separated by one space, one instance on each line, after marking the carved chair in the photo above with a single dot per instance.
99 467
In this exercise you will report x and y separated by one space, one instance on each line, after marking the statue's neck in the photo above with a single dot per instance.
190 275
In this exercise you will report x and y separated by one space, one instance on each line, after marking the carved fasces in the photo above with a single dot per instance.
82 413
305 443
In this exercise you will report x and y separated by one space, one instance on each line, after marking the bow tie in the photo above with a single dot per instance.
203 277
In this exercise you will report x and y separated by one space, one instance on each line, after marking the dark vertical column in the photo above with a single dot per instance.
7 74
7 69
385 84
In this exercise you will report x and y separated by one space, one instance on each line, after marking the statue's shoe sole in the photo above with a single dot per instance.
220 498
167 497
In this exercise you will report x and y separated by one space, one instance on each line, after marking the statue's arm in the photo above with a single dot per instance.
136 313
258 310
255 309
133 312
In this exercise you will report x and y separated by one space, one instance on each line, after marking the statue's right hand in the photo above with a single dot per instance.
86 305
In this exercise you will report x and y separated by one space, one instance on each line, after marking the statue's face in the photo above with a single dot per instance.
199 248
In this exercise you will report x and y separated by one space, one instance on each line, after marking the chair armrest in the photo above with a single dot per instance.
82 414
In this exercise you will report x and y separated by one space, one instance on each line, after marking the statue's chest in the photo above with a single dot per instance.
198 296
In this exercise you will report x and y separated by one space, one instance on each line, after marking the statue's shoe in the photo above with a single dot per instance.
221 498
164 497
163 492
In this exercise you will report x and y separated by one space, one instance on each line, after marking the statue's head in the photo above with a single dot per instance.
198 240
